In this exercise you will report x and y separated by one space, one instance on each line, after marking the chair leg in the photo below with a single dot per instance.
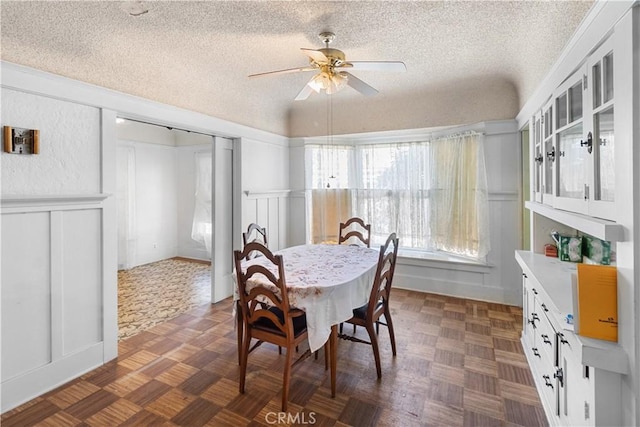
279 350
240 328
326 355
377 328
341 325
354 328
392 335
243 358
286 377
374 346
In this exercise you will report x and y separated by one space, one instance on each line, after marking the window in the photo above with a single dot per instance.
432 194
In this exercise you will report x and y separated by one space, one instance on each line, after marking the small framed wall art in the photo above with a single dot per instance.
21 141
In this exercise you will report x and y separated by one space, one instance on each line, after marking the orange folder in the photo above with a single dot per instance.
597 301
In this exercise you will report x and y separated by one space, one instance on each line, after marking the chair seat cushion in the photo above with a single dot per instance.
361 312
299 323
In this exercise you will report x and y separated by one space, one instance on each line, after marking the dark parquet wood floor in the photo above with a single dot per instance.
459 363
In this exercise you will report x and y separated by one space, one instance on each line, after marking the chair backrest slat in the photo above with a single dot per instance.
254 233
362 231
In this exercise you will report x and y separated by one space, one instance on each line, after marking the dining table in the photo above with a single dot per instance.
326 281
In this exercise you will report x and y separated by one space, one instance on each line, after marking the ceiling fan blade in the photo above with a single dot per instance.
359 85
315 55
377 65
287 71
305 92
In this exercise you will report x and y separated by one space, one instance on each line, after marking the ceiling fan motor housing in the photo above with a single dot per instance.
336 57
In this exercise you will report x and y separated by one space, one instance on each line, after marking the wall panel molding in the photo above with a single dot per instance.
58 240
53 202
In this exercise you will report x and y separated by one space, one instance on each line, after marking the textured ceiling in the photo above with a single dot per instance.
197 55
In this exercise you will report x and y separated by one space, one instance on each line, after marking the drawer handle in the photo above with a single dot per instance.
544 307
534 316
547 381
535 352
546 339
560 376
534 291
562 340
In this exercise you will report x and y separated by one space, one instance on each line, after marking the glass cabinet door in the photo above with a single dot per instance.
571 155
549 161
602 114
572 163
538 157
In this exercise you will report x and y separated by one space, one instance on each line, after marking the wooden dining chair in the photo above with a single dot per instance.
355 227
254 233
369 314
266 314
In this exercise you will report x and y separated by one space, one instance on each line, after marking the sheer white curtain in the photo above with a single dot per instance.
330 196
392 192
433 194
201 228
459 206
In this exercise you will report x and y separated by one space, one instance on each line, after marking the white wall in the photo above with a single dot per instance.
156 210
69 162
163 188
54 288
265 184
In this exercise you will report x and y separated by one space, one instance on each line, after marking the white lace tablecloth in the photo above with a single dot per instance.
326 281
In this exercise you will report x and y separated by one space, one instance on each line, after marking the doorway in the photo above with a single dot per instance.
164 209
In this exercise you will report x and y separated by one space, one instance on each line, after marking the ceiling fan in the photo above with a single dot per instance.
331 65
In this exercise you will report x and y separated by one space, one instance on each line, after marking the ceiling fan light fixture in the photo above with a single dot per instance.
338 82
320 81
329 81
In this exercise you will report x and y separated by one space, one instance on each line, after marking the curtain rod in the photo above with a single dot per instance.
168 127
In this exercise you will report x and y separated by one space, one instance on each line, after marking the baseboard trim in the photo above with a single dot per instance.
199 261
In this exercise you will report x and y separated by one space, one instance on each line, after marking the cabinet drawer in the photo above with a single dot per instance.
546 337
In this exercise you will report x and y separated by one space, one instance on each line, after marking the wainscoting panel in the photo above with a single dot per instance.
52 293
81 284
269 209
26 299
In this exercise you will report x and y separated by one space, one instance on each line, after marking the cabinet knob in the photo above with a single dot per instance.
535 351
544 307
547 381
539 159
551 155
545 339
588 143
534 291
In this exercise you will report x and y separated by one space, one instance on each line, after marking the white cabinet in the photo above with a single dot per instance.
578 379
592 99
573 140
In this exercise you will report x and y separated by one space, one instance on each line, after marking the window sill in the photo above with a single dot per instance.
441 260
